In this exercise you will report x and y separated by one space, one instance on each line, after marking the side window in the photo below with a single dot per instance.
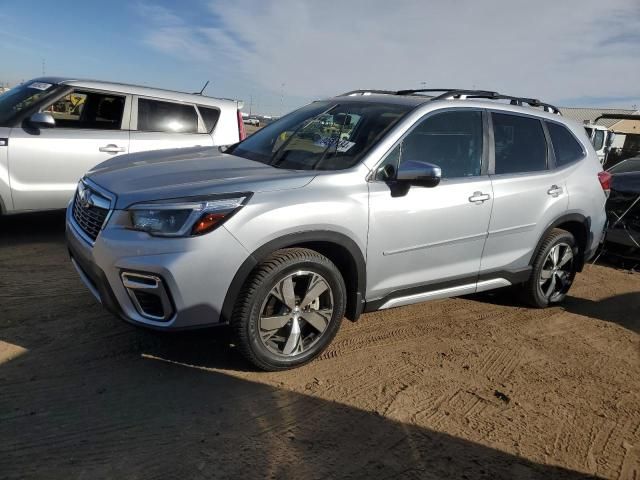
210 117
452 140
98 111
565 146
520 145
598 139
157 116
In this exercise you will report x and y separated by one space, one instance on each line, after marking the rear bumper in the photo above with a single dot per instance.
195 272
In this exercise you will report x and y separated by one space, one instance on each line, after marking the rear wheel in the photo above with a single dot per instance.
289 310
554 270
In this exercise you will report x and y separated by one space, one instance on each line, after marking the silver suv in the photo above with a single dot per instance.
52 130
366 201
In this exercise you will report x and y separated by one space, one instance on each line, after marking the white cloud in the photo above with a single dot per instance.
547 49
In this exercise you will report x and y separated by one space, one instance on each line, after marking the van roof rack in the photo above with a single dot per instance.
455 93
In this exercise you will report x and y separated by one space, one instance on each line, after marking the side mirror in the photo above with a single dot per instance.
422 174
42 120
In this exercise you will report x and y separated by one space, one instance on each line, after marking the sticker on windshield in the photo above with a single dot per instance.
330 142
40 85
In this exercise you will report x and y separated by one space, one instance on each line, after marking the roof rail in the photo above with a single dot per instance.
520 101
449 94
353 93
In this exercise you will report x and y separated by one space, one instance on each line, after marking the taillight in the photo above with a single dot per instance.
241 131
605 181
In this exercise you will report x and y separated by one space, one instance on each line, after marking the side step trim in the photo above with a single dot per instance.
446 292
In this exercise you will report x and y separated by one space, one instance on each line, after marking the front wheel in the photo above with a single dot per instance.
554 270
289 310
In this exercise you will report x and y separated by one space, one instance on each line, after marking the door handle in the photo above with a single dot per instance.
111 148
554 191
479 197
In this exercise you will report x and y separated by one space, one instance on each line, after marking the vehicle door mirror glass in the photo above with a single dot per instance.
42 120
419 173
610 138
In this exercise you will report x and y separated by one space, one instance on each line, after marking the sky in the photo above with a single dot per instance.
276 55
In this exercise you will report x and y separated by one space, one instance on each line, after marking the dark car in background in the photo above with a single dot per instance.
623 210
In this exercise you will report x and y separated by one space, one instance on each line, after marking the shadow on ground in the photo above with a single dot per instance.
115 405
32 227
623 309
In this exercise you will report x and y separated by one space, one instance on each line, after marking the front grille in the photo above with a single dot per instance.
149 303
90 218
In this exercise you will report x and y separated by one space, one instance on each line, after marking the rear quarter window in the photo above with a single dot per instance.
209 116
565 146
158 116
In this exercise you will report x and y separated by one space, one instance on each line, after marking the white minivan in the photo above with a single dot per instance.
53 130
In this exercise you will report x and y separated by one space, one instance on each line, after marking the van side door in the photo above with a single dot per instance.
45 164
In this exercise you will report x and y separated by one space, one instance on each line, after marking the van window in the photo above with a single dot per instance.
97 111
209 116
157 116
520 145
565 146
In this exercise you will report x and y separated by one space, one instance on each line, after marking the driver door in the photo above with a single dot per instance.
426 242
45 164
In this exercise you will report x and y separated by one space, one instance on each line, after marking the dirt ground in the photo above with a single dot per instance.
476 387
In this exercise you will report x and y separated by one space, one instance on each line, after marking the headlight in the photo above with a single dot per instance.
184 219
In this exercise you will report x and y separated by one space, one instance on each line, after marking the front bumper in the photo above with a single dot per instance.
196 272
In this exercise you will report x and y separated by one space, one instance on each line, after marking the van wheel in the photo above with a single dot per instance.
289 309
553 271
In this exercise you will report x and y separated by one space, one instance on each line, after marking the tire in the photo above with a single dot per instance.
549 282
268 321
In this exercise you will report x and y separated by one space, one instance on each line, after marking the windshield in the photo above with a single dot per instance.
22 97
321 136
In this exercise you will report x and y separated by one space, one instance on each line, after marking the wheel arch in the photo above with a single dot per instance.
339 248
576 224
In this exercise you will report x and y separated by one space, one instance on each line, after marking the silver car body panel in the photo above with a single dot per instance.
194 171
6 200
434 237
427 235
42 167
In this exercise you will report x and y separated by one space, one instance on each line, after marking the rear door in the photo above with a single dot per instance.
45 164
159 124
528 194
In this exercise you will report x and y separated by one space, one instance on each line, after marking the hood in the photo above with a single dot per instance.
186 172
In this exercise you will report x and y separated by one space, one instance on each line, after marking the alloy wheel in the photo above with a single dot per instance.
556 274
296 313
